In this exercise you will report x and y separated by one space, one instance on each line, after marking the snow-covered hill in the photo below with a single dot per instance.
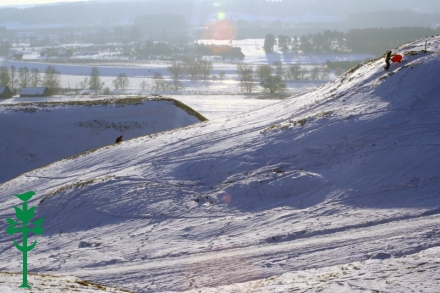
36 132
340 175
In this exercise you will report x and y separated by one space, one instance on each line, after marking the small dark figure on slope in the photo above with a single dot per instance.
119 139
387 60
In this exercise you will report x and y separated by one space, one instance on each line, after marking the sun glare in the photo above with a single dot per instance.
221 15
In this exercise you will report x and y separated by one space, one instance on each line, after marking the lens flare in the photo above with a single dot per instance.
227 198
219 30
221 15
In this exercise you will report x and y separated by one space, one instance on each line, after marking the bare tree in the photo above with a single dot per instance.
273 84
221 75
121 82
176 69
325 74
95 82
278 68
315 73
176 85
24 77
303 74
35 78
159 82
264 71
5 76
124 81
294 72
52 79
245 73
144 85
205 68
191 68
116 83
83 84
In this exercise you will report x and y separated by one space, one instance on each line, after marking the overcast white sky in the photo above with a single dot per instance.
31 2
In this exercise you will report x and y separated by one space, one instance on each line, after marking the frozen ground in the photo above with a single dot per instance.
342 179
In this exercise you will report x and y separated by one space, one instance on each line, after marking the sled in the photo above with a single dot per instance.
396 58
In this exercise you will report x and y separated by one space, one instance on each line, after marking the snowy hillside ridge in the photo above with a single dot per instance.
43 283
100 101
40 132
186 108
342 174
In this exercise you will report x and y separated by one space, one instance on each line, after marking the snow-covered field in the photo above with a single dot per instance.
73 71
255 54
251 48
336 190
71 77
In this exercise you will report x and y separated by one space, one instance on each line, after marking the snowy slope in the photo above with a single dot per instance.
36 133
411 273
342 174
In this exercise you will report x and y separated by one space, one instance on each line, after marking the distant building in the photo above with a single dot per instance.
35 92
5 92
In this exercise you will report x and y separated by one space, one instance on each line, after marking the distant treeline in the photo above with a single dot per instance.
148 50
152 49
369 40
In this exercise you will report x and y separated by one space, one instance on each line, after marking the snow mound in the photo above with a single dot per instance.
331 177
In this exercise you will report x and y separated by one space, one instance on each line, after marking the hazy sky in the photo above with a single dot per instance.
31 2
